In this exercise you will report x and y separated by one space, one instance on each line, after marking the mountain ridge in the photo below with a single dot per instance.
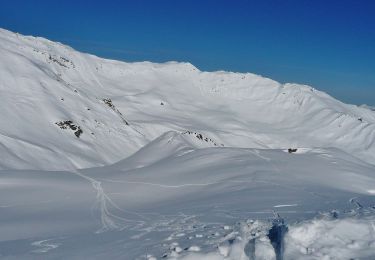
46 83
107 159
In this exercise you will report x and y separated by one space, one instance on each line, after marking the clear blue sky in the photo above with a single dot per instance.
327 44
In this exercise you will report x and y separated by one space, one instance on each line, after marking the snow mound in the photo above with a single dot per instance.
168 144
346 238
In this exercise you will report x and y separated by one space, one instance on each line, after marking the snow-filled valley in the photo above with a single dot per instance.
107 159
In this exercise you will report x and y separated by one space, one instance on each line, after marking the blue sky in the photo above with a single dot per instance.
327 44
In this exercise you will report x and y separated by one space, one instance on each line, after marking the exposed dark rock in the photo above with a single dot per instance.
109 103
63 62
78 132
68 124
201 137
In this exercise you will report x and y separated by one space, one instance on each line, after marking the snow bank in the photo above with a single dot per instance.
347 238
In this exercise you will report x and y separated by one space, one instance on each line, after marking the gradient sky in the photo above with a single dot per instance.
327 44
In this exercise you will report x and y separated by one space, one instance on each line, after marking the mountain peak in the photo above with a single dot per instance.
46 83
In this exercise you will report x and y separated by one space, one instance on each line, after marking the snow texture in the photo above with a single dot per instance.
107 159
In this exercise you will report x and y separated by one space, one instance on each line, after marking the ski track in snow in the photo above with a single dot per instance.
180 185
109 220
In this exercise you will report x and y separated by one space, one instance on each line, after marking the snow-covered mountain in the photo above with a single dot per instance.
107 159
368 107
120 107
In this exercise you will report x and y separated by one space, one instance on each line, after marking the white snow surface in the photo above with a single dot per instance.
175 163
43 82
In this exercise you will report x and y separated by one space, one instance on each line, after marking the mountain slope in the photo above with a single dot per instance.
105 159
120 107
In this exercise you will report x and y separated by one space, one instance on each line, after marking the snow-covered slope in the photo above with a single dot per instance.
173 200
120 107
101 159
